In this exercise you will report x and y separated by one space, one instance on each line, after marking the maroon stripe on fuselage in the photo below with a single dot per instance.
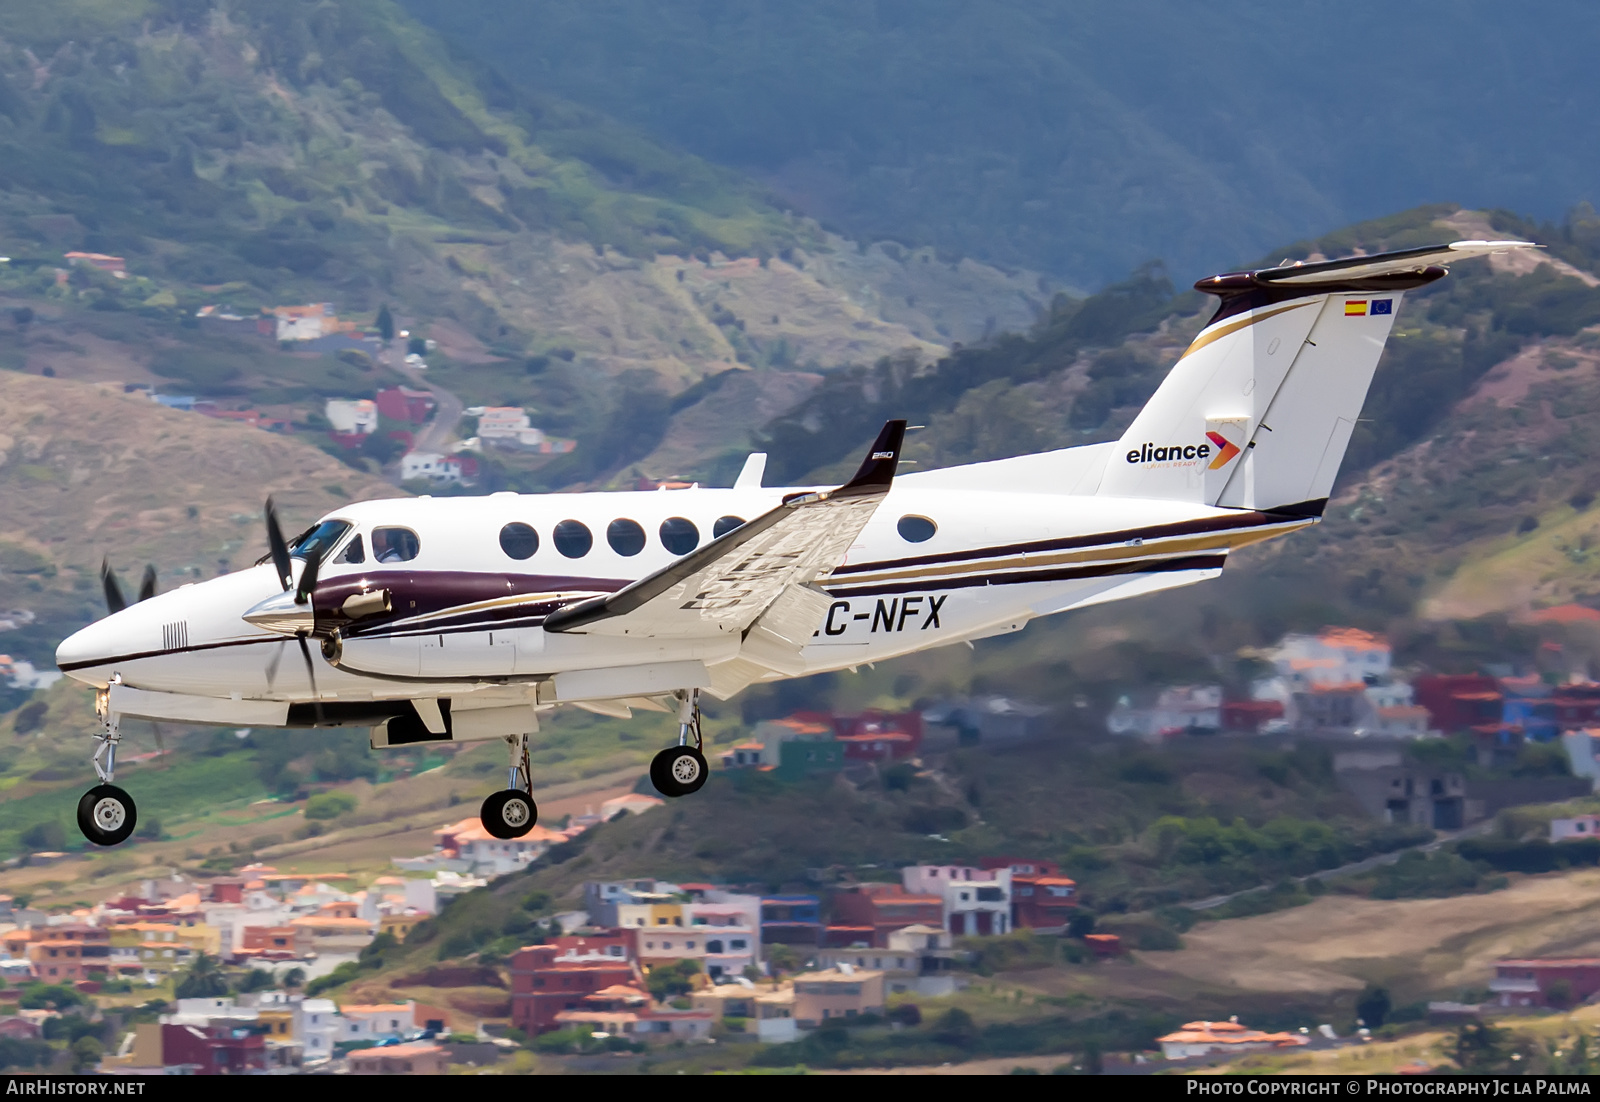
424 592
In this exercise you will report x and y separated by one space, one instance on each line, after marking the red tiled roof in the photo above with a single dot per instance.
1564 614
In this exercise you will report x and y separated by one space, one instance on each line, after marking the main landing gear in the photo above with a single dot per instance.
681 769
106 813
511 813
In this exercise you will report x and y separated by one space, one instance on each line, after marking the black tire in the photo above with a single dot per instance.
509 813
106 815
678 771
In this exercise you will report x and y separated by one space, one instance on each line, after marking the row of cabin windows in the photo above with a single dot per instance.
571 538
626 537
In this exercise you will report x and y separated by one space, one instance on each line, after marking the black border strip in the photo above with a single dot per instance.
1287 514
1060 574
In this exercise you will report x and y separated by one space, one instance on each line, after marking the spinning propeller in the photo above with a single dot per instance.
115 601
297 618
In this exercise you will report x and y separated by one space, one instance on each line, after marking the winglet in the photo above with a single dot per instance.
877 469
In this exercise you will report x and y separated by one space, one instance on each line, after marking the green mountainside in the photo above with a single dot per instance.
251 153
1081 139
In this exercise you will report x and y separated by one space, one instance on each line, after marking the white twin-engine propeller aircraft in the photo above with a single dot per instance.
459 619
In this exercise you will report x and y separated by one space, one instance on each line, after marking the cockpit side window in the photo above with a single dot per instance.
353 551
394 544
321 539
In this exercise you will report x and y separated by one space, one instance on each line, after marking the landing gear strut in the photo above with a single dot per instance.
511 813
681 769
106 814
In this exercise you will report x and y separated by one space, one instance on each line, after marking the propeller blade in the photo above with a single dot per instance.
147 585
311 673
272 667
308 578
115 601
161 746
279 549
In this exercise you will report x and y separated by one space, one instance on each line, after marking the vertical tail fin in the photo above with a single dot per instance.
1259 409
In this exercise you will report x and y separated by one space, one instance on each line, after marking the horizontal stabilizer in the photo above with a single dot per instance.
1404 262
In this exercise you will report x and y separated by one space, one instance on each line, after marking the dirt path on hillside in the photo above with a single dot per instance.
1339 943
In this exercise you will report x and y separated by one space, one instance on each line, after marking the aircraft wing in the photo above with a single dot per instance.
723 587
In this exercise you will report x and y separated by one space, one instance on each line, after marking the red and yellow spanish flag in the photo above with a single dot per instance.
1355 308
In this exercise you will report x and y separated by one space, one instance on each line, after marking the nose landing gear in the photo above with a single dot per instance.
106 814
511 812
681 769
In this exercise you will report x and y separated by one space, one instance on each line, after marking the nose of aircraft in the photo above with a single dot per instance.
87 648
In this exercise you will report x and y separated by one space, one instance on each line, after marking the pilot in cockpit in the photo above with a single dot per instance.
394 545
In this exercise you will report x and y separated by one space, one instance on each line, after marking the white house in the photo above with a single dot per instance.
976 901
377 1021
484 853
1580 826
352 415
508 426
317 1027
1335 656
430 466
1180 709
730 926
1205 1038
1580 748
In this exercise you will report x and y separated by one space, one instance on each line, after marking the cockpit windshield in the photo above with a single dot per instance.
321 539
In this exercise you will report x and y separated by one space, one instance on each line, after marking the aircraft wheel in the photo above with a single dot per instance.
509 813
678 771
106 815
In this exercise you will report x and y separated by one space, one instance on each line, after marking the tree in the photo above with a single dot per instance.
1373 1006
257 979
294 977
86 1053
44 837
385 323
1483 1047
1081 924
783 958
204 980
667 981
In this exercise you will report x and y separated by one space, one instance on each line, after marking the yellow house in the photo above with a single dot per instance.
155 946
650 915
279 1022
202 938
398 925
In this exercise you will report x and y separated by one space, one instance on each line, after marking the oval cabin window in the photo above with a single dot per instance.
625 536
394 545
679 535
915 529
725 525
518 540
573 538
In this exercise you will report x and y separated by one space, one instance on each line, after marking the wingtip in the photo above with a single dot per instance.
1492 246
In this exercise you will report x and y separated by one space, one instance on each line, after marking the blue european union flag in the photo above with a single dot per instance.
1382 306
